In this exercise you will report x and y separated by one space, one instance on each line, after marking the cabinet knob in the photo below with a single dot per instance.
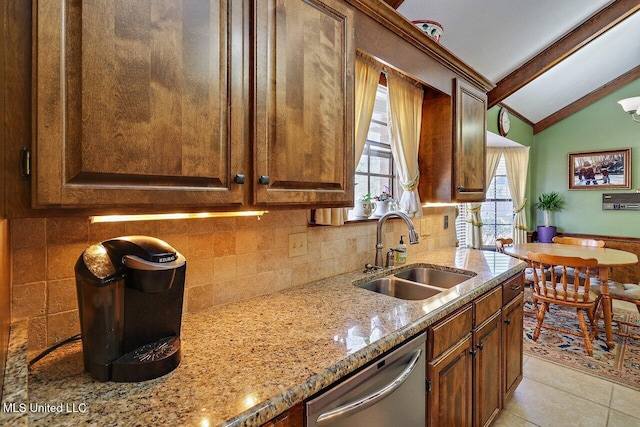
473 352
460 187
507 321
480 346
263 180
238 178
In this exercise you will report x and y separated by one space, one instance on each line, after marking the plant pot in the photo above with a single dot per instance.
546 234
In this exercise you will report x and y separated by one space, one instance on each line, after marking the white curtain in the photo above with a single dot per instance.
474 221
366 80
517 163
405 119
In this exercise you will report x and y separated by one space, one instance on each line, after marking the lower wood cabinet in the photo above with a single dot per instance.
474 358
293 417
512 341
474 361
449 401
487 396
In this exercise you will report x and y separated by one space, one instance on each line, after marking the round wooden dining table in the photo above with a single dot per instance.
607 258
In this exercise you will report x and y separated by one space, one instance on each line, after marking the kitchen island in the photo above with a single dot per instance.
246 362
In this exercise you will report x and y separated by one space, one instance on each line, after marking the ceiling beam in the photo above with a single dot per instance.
590 29
517 114
588 99
394 3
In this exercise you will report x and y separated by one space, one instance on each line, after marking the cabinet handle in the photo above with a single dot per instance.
515 287
507 321
239 178
263 180
25 162
480 346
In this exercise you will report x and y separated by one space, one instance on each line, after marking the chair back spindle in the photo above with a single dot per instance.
565 289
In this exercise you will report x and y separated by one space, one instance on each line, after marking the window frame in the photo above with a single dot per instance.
392 177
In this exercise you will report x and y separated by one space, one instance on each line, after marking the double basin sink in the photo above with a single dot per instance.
416 283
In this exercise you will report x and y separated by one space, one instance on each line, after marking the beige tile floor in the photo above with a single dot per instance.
551 395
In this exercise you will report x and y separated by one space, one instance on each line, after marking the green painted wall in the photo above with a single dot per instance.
520 132
602 125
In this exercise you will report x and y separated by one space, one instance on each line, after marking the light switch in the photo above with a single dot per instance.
297 244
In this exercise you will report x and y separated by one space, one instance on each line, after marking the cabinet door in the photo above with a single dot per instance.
512 341
470 137
293 417
450 398
132 103
487 389
304 63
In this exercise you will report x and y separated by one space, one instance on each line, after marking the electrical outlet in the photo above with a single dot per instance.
446 222
297 244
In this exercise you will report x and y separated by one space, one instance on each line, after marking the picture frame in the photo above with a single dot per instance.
600 170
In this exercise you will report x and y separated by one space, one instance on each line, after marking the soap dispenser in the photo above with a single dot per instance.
401 252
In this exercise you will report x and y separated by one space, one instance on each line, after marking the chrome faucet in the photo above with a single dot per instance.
413 235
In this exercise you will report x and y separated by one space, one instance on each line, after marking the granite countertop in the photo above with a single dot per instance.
246 362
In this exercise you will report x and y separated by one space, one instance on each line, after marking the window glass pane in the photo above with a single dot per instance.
497 210
488 213
504 213
379 185
501 186
503 231
380 107
362 186
362 164
378 132
380 162
374 171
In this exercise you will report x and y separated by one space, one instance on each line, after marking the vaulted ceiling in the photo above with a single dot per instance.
547 58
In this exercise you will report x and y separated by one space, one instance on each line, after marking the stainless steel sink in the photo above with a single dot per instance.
433 277
400 288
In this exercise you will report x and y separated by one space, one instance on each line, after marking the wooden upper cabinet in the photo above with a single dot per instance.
470 136
304 62
452 145
132 103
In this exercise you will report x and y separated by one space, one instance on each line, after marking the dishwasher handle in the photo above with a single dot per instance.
371 399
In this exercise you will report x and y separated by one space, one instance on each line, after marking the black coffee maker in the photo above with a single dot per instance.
130 292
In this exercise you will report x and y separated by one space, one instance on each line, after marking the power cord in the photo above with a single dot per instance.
54 347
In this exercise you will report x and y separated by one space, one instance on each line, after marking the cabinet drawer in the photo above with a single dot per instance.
487 305
512 288
449 331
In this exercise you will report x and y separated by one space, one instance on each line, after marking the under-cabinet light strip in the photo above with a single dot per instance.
160 217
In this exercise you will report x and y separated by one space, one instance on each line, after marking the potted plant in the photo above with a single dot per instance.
547 203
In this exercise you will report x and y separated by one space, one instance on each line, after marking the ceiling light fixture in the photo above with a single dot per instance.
631 106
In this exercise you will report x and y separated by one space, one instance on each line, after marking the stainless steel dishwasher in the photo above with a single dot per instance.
388 392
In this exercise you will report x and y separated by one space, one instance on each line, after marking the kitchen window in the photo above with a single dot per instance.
496 213
497 210
375 172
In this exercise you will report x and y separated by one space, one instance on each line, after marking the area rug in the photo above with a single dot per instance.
620 365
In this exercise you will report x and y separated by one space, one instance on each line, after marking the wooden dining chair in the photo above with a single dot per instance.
528 272
592 243
629 292
579 241
502 242
568 291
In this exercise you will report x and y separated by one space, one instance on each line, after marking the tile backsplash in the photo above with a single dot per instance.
228 259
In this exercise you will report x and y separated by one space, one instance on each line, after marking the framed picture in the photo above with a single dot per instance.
600 170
